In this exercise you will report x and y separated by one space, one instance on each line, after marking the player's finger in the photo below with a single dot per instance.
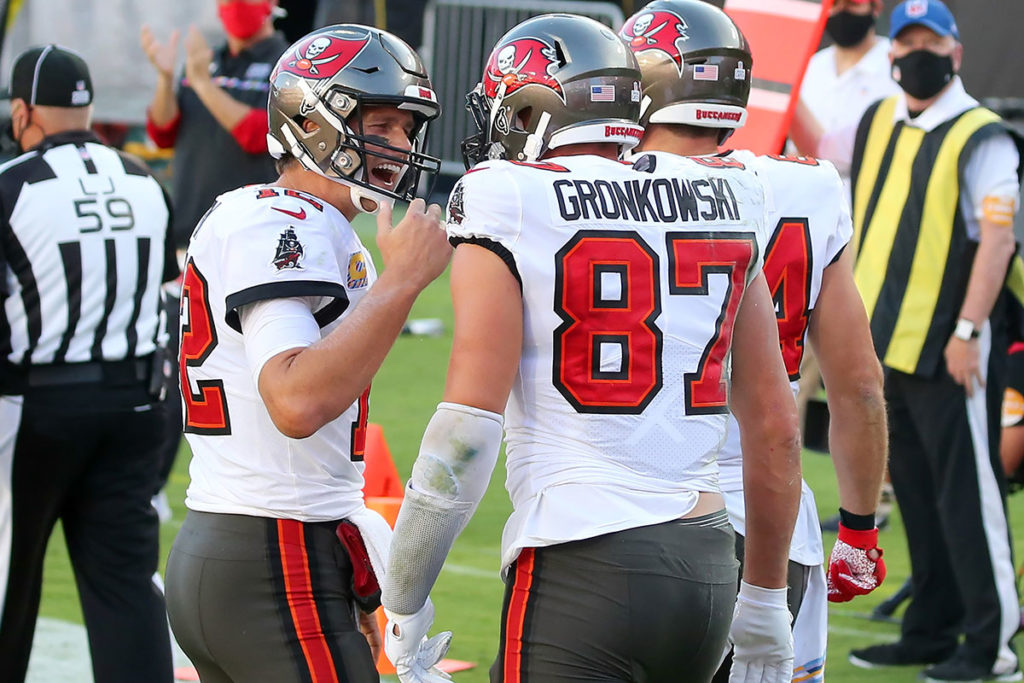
435 211
173 40
384 218
416 206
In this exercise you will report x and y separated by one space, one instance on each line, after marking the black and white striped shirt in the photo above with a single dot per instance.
83 252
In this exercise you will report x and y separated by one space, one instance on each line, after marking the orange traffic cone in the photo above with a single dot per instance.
380 476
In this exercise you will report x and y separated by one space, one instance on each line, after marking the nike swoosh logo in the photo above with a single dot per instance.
299 215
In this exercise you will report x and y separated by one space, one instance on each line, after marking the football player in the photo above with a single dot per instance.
596 303
692 101
284 323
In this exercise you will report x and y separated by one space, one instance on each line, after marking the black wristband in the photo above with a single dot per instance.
856 522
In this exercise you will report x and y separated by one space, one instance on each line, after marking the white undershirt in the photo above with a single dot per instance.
273 326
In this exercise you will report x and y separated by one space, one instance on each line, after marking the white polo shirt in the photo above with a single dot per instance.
838 101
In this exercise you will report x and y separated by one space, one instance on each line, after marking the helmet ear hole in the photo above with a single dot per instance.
523 118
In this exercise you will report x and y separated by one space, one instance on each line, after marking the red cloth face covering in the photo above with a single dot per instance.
243 19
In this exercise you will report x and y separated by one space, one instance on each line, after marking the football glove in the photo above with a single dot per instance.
414 655
855 566
761 636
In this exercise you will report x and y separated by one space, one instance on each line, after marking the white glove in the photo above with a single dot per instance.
761 636
407 646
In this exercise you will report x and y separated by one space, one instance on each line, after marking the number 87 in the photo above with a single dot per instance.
594 315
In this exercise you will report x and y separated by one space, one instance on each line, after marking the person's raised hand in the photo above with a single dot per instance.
160 55
198 56
417 246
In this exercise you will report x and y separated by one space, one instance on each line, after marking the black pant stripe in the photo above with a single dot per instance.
276 571
328 617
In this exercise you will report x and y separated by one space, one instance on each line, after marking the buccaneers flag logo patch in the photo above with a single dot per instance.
289 251
659 30
323 56
526 61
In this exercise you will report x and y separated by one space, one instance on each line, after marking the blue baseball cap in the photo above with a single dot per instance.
931 14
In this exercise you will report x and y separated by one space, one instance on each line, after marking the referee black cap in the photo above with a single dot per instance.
51 76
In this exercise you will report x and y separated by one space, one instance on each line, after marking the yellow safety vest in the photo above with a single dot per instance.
914 256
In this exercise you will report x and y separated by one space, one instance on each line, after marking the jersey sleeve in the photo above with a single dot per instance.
484 209
278 248
833 192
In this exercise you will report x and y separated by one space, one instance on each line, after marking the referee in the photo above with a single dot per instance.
83 252
935 185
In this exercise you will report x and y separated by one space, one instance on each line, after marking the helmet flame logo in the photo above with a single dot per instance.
321 56
659 30
522 62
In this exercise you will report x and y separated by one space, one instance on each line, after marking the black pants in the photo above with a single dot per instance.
649 604
85 455
258 599
944 463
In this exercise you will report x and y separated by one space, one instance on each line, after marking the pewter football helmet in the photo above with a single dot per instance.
554 80
695 63
327 77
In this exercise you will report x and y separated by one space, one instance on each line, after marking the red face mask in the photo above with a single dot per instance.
243 19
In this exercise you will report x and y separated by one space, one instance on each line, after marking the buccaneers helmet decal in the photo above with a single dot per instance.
526 61
322 56
657 30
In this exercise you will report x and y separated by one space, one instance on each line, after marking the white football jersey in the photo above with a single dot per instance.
260 243
810 225
631 278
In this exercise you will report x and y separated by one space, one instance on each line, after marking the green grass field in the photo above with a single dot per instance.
468 593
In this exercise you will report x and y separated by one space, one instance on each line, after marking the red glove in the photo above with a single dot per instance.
855 566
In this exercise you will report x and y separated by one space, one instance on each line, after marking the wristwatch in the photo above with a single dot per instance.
965 330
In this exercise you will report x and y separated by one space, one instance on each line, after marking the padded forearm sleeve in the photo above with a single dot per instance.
454 465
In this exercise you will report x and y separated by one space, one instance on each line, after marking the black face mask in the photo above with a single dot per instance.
847 29
922 74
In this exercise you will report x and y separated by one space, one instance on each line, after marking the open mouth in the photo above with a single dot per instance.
386 174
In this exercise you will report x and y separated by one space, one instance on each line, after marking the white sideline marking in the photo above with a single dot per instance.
60 653
466 570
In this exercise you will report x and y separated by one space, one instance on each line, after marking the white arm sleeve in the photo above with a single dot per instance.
457 455
275 325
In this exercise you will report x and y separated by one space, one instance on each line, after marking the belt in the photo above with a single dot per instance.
109 373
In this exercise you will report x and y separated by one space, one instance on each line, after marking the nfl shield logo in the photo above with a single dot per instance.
917 8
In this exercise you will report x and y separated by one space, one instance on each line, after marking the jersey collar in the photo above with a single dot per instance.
67 137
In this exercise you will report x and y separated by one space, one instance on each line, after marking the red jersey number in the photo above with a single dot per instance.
692 258
206 409
787 269
358 437
608 295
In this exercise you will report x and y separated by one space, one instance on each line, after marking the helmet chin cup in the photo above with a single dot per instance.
361 195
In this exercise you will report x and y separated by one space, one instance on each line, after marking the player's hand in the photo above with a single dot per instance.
761 636
370 629
414 655
160 55
418 246
963 363
855 566
198 57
